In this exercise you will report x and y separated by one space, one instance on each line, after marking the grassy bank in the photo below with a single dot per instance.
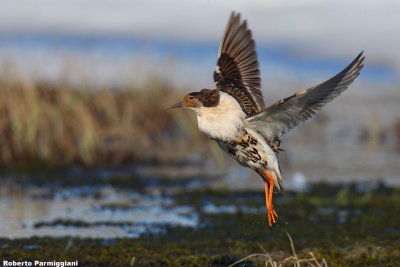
51 124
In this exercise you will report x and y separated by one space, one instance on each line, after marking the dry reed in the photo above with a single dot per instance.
58 124
292 260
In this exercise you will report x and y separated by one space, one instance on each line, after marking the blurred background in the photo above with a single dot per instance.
84 84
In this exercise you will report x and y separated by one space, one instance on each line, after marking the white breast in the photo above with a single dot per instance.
223 122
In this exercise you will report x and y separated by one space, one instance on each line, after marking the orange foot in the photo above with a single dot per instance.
268 203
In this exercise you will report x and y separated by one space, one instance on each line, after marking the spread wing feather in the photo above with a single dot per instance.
287 113
237 71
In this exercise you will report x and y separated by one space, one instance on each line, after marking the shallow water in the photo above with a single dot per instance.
80 211
105 209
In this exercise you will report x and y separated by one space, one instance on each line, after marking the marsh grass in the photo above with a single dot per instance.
311 260
49 124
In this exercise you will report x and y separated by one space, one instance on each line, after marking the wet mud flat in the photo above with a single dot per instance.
123 219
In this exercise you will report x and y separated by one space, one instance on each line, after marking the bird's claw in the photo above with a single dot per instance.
272 215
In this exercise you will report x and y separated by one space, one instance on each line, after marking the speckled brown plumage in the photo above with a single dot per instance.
247 148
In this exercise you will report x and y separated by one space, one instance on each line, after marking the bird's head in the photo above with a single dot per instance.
204 98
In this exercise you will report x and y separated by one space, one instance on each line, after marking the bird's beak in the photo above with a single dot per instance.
177 105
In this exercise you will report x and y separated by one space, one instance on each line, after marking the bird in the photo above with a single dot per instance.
235 116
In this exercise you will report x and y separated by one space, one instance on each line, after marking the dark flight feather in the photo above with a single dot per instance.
237 71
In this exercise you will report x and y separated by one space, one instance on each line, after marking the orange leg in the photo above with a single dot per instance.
267 203
268 197
271 191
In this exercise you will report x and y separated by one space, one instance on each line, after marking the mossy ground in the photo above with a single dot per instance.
346 225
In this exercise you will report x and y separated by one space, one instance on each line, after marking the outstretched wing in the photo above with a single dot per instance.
287 113
237 70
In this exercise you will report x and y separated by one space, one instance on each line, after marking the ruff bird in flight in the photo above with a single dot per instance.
234 114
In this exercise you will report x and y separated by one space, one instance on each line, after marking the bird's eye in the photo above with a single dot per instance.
191 97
